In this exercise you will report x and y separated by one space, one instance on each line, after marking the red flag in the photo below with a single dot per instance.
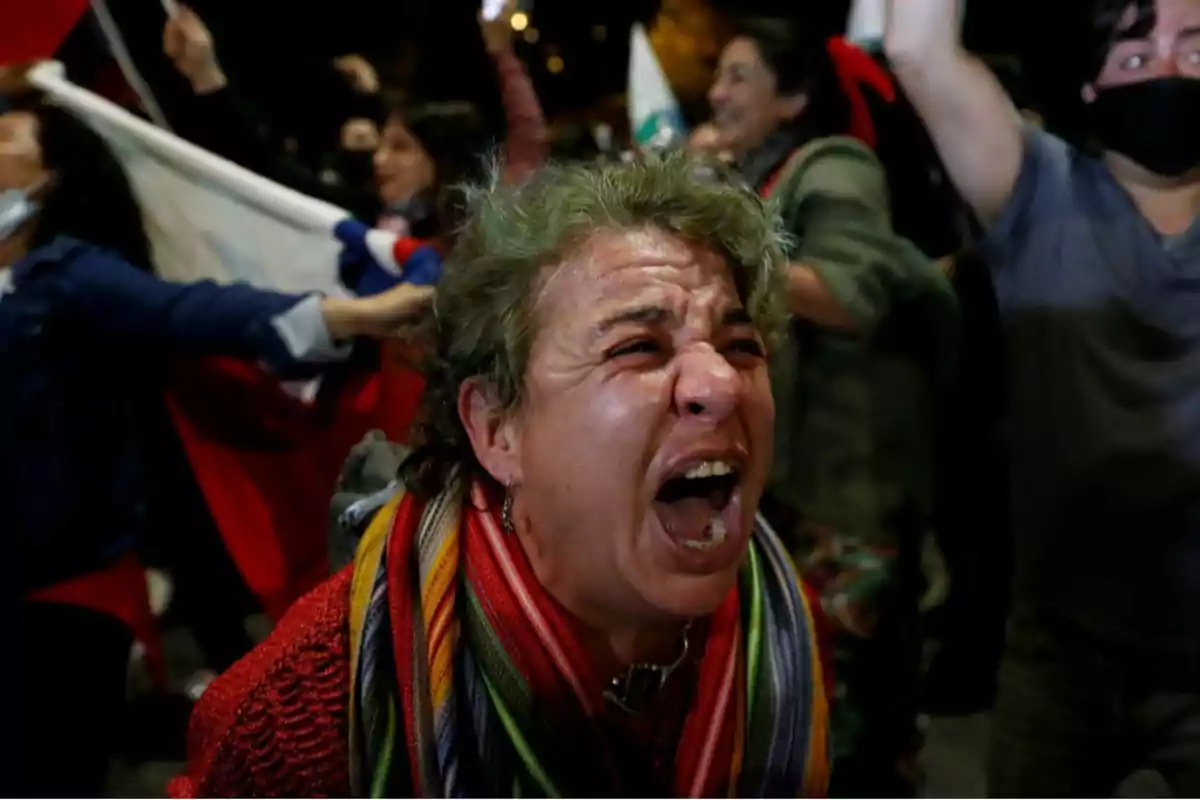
855 69
34 29
267 467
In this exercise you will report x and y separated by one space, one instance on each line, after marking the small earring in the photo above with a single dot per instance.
506 511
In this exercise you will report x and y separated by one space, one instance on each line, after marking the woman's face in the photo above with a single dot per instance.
747 106
402 167
20 154
646 369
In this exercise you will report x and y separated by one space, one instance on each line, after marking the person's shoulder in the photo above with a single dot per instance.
59 250
1055 180
59 262
834 151
276 722
834 165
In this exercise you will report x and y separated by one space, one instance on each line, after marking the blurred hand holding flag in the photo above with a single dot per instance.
265 462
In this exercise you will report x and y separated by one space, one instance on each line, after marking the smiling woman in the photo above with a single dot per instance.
576 560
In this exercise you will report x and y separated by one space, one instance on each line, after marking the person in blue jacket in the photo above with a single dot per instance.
83 320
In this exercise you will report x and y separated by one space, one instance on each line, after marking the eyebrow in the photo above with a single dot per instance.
1141 27
657 315
645 315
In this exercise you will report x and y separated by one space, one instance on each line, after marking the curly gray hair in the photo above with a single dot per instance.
515 236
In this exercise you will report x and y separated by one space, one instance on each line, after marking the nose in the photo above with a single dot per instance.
716 93
707 387
1166 68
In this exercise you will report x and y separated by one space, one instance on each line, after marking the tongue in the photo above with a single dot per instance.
687 519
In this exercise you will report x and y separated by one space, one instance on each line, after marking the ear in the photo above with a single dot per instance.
790 106
493 434
1088 93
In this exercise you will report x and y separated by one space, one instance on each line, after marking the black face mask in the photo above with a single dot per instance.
1156 123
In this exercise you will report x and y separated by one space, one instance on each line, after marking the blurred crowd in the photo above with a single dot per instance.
984 439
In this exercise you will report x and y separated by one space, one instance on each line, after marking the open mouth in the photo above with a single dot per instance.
691 503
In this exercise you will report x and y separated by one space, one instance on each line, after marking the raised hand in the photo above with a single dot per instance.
359 72
497 33
188 43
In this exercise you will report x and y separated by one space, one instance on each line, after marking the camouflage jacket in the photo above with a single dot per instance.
855 413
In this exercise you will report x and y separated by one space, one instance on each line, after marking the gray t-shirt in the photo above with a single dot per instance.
1102 319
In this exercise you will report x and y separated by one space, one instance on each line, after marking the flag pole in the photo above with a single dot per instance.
120 52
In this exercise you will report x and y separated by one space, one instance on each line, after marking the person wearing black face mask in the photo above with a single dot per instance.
1095 258
1143 107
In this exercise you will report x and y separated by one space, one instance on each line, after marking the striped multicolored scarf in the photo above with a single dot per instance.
465 673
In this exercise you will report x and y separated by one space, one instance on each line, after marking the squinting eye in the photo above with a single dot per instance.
751 347
638 346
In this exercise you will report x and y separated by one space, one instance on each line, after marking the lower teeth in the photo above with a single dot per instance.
716 535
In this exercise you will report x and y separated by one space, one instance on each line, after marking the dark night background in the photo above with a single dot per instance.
277 53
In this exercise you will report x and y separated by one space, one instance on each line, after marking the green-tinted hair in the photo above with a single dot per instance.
516 235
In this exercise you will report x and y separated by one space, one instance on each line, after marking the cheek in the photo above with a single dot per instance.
758 413
591 447
385 165
423 172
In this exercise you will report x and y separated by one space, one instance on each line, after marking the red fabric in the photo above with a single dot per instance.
274 725
855 68
267 467
405 247
33 29
119 591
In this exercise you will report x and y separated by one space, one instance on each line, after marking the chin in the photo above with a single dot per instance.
692 596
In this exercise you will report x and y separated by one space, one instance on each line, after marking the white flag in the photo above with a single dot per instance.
207 217
654 115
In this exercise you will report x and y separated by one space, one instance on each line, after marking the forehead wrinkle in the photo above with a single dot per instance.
583 260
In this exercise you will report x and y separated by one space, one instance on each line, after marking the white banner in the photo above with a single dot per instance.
207 217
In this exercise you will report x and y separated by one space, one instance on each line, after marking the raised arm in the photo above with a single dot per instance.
525 146
973 124
221 122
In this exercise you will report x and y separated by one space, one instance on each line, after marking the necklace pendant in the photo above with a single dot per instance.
636 689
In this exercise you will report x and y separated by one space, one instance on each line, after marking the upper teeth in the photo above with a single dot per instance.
709 469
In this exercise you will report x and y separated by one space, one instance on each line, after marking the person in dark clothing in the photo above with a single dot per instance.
1093 254
83 322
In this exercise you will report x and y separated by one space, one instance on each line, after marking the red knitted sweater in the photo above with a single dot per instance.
275 724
